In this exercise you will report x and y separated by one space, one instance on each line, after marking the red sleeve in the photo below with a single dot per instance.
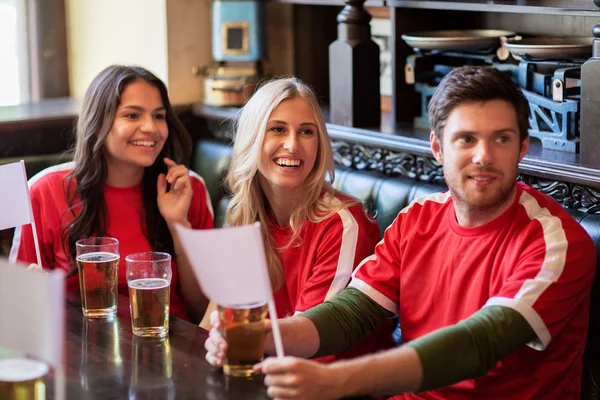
23 247
342 242
201 212
378 276
552 278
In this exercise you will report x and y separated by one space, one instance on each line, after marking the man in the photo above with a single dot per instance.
491 279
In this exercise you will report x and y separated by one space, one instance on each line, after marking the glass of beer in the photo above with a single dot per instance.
243 327
22 378
149 280
98 261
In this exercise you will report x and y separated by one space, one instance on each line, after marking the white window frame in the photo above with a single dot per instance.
23 55
23 47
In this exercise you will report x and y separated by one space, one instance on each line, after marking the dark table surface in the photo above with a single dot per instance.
104 360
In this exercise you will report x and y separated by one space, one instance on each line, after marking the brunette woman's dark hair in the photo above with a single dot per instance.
84 186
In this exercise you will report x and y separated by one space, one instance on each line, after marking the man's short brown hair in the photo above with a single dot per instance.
476 84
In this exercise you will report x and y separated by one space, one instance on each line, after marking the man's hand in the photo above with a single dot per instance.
298 379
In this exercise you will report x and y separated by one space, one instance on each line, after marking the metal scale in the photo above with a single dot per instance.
238 47
547 69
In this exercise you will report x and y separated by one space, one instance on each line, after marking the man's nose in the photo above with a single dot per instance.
482 153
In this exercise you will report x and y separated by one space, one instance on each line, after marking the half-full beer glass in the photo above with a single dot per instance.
243 327
149 280
22 379
98 260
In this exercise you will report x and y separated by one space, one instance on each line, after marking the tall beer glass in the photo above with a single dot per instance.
22 379
98 260
243 327
149 281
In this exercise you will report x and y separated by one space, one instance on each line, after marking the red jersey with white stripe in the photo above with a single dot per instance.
534 258
320 265
125 222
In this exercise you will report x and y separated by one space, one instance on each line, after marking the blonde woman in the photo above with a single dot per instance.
280 174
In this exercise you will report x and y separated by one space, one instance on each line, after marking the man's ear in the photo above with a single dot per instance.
436 147
524 148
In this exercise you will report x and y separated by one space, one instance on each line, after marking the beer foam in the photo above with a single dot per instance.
248 306
21 369
149 283
97 257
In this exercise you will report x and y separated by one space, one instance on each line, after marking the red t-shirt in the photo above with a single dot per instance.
124 222
534 258
320 265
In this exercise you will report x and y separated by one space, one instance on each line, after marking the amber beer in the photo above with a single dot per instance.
98 283
149 278
243 327
149 300
22 379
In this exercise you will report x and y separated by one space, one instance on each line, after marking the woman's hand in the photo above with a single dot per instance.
215 345
174 204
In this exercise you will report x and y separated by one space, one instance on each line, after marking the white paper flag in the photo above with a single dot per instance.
231 267
32 312
14 195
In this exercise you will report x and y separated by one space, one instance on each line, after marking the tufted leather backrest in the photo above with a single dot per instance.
590 389
384 197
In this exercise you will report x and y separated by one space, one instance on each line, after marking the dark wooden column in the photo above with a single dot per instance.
354 70
48 52
589 124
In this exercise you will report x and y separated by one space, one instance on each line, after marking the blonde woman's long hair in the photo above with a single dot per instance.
248 203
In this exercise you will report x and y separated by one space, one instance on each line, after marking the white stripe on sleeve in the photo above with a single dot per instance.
345 264
550 270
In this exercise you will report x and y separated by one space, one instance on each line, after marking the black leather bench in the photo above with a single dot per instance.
384 197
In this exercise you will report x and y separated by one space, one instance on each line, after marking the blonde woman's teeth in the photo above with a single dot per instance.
286 162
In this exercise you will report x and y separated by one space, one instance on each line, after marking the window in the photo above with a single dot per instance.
14 71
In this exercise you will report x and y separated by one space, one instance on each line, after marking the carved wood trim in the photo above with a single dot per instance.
427 169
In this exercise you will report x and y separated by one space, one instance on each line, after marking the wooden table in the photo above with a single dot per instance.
104 360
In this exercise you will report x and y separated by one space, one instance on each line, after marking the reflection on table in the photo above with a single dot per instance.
105 360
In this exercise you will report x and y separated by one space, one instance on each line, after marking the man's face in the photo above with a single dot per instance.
480 152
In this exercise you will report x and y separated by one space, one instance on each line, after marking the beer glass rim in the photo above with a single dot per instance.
145 256
33 369
97 241
255 304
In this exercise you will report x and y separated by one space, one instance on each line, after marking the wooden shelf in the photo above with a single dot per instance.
555 7
368 3
558 7
543 163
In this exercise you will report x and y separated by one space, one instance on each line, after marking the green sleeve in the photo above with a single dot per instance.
471 347
344 320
